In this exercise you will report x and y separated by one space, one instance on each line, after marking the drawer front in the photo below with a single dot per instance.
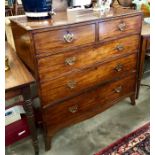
55 65
16 131
88 104
120 27
74 83
60 39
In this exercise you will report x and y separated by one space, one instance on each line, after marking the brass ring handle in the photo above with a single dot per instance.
122 26
70 61
68 37
118 89
119 47
119 67
73 109
71 84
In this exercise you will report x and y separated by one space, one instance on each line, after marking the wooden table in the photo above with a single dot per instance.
17 82
145 41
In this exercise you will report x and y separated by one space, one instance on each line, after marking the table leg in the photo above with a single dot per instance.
142 59
26 92
133 99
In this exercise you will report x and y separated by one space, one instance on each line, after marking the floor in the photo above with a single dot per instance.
92 135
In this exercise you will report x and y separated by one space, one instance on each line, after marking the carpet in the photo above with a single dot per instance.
135 143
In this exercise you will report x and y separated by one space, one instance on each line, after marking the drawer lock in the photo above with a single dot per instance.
122 26
118 89
70 61
71 84
119 67
119 47
68 37
73 109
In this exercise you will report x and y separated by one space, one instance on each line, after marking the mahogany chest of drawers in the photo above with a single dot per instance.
83 62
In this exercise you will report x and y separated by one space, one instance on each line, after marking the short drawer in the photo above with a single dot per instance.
88 104
120 27
74 83
49 41
58 64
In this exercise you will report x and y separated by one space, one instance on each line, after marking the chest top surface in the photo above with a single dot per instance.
72 17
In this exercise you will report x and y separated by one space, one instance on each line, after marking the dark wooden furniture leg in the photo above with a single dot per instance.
133 99
26 92
144 42
48 140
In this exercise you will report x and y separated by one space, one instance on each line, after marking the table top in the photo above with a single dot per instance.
145 30
18 75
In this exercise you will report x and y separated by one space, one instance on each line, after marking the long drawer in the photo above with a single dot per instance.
63 38
62 63
74 83
119 27
88 104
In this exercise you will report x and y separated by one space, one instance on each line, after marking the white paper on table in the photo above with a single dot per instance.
13 114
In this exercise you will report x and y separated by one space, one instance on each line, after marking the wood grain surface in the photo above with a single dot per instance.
60 87
86 105
18 75
53 40
84 62
72 60
69 18
145 30
23 44
111 29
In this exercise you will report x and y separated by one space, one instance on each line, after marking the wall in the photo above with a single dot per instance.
60 5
